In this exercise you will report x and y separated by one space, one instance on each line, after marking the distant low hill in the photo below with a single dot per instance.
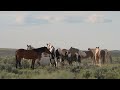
115 53
7 52
11 52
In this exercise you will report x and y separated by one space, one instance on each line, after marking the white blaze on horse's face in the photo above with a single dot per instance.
48 46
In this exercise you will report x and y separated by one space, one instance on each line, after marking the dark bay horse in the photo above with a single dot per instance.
30 54
73 55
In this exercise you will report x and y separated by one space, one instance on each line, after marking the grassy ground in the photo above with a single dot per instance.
85 71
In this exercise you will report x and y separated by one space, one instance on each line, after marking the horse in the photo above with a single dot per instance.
86 54
103 55
61 54
29 47
99 54
30 54
53 55
73 55
93 53
57 54
107 56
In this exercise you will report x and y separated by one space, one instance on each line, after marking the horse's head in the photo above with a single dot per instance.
97 49
88 48
91 49
50 47
29 47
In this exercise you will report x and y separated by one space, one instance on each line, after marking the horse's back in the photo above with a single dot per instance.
73 51
20 51
27 54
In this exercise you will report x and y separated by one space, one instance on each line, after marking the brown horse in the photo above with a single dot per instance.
101 55
86 54
30 54
108 56
61 54
93 52
73 55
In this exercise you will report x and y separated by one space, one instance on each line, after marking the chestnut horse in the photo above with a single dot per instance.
30 54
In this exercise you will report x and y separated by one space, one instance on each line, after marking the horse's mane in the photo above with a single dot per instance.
39 49
73 49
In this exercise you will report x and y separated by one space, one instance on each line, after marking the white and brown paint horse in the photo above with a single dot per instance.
58 55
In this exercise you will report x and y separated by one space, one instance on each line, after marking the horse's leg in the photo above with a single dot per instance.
20 63
94 60
70 60
56 62
110 57
99 60
79 60
16 63
51 62
104 59
63 61
33 62
38 61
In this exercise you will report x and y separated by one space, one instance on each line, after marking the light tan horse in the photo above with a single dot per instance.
101 55
98 56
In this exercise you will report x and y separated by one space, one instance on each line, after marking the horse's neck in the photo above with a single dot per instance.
30 48
97 51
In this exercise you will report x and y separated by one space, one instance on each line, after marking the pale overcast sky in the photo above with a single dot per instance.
80 29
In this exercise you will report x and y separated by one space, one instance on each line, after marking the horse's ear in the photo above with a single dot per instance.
27 45
47 44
